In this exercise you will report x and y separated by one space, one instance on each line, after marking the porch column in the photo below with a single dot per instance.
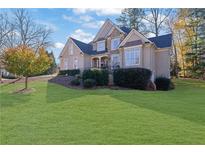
91 62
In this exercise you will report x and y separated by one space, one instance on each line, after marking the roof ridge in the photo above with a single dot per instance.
160 35
79 40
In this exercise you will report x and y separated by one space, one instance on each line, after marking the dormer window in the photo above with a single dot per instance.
101 45
115 43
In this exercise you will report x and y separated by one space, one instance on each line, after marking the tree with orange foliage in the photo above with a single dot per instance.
182 33
23 61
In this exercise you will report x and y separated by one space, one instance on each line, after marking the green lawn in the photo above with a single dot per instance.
57 115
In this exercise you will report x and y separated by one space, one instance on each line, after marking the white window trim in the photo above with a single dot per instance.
65 64
74 62
101 42
115 55
71 49
140 50
116 38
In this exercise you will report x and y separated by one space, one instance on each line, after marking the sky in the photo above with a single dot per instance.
79 23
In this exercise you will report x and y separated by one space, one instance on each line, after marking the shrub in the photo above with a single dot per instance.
75 82
100 76
136 78
69 72
89 83
78 76
163 83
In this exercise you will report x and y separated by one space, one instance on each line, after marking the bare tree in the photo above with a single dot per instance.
28 32
5 29
156 17
20 29
170 21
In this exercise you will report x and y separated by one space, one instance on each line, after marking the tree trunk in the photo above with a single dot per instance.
176 60
26 82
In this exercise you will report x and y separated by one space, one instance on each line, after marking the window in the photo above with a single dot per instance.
71 49
132 56
75 64
115 43
101 46
65 64
115 59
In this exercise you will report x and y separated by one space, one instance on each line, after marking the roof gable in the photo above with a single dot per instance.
104 30
136 33
117 28
84 47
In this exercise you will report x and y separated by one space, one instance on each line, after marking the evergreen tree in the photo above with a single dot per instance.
132 18
53 67
197 43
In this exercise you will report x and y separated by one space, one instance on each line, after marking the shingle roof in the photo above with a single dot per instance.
163 41
125 29
86 48
160 41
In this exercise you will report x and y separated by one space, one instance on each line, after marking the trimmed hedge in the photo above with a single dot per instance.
100 76
69 72
89 83
163 83
136 78
75 82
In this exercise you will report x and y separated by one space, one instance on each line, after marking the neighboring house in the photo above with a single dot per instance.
3 72
119 47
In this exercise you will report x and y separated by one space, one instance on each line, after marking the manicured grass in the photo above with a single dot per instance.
57 115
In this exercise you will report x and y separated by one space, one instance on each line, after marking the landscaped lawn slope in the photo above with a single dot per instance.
54 114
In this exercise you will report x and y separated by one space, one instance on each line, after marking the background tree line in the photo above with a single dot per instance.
187 27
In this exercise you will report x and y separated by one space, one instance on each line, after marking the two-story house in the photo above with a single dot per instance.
119 47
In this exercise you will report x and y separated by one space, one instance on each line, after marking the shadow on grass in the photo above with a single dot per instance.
58 93
185 102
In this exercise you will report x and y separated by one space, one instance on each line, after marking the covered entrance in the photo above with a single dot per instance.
99 62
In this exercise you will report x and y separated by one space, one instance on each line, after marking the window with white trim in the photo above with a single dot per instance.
71 49
75 64
115 43
101 45
132 56
115 59
65 64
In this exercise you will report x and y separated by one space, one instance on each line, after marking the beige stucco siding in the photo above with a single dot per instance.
162 63
87 61
68 59
134 37
115 34
147 57
102 34
105 30
64 57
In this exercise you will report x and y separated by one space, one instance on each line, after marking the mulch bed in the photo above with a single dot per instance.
64 81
